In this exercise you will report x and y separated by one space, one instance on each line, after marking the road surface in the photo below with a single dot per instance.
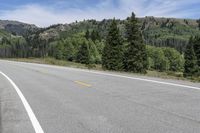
68 100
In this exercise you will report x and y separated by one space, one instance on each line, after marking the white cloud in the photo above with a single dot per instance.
45 16
162 8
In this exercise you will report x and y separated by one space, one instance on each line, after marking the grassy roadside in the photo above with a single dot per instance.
52 61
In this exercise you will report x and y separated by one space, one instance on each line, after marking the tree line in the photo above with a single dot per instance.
127 54
13 47
192 58
119 50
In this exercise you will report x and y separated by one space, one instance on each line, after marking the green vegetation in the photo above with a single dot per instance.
4 34
191 66
174 33
164 59
196 45
135 58
137 45
175 59
13 46
112 58
77 48
53 61
198 21
83 55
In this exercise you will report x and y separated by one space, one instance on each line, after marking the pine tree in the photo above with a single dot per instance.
83 55
98 37
191 67
198 21
95 36
135 56
196 43
87 34
94 54
112 57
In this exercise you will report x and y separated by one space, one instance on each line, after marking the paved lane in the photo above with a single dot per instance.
67 100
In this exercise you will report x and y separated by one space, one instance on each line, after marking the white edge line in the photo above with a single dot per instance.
149 80
122 76
108 74
34 121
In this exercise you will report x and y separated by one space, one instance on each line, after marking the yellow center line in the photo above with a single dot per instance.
83 84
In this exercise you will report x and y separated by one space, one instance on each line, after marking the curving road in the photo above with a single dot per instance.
68 100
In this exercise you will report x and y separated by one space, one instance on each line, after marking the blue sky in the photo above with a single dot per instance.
47 12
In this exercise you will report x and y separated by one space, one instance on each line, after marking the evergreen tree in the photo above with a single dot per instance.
87 34
112 57
59 51
135 56
98 37
94 54
197 46
176 60
196 43
83 55
198 21
95 36
191 67
69 50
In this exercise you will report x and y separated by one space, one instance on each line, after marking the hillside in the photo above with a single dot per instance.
84 42
169 32
4 33
162 32
16 28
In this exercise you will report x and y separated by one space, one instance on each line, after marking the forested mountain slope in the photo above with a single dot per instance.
84 42
30 39
168 32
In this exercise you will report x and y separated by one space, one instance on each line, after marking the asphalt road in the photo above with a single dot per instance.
67 100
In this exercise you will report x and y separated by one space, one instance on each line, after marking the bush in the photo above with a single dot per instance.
164 59
176 60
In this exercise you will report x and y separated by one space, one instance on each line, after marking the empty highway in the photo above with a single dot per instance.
68 100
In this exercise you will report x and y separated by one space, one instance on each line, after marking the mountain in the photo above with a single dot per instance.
66 41
162 32
169 32
16 28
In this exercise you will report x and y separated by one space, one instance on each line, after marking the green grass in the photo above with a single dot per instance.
166 75
52 61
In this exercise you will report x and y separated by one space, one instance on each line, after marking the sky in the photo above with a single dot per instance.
47 12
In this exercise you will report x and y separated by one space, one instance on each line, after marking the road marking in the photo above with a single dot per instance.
127 77
108 74
34 121
143 79
83 84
